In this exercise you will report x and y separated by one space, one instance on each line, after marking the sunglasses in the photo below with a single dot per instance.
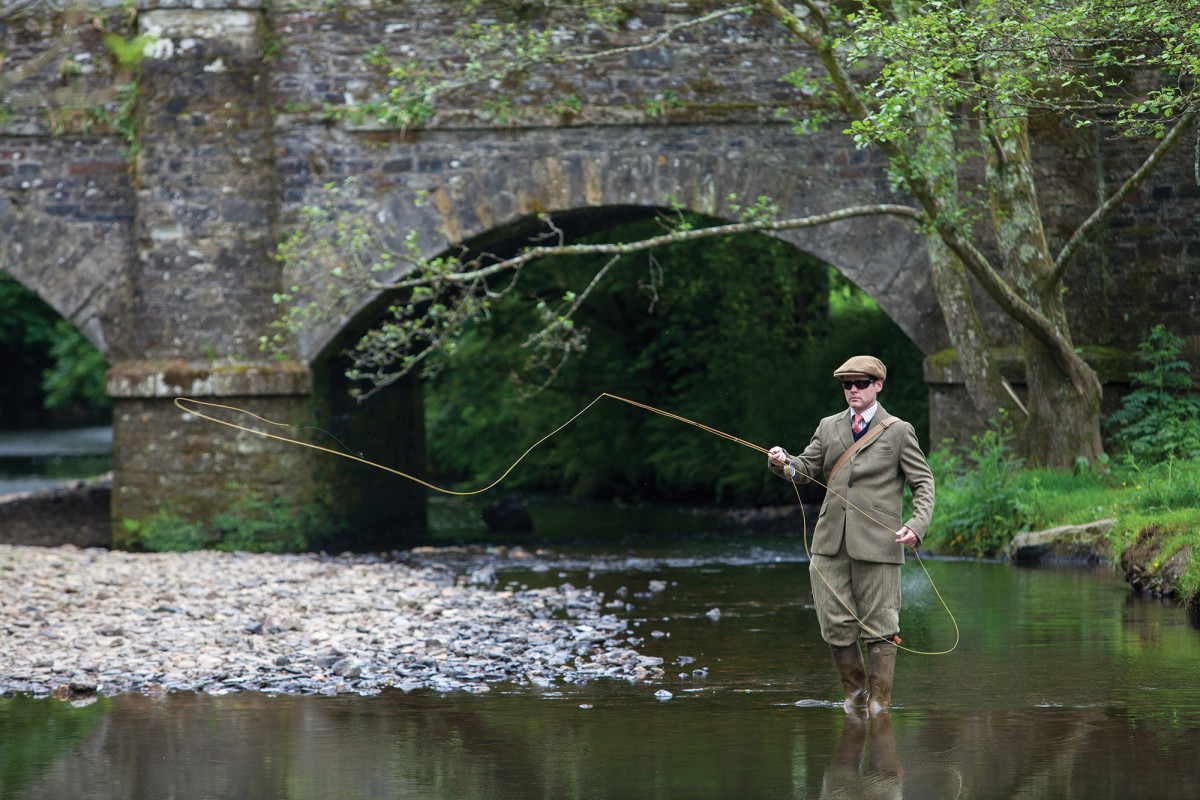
861 383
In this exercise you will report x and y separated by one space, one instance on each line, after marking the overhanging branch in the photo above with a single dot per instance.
752 226
661 38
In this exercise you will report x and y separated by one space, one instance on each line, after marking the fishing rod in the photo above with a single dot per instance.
181 403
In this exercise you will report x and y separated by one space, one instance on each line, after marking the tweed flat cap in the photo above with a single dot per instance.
868 366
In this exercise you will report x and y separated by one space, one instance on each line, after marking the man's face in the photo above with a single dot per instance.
861 399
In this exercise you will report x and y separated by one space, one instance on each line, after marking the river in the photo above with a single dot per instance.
35 460
1063 686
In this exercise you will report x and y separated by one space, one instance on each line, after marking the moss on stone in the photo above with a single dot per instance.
942 359
1112 364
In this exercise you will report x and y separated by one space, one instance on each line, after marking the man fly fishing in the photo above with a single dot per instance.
867 456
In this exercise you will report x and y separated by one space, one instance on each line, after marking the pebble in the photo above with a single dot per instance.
99 621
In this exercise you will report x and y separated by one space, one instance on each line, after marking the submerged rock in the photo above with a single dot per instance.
508 514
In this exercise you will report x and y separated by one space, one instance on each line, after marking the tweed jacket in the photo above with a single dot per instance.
864 501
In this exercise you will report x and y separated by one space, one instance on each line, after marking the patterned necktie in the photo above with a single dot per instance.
857 427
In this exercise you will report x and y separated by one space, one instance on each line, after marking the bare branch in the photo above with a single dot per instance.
572 344
753 226
1106 209
388 358
599 276
663 37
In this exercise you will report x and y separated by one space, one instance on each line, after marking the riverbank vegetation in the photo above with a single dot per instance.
1150 487
1154 508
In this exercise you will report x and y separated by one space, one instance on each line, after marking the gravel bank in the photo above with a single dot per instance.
93 620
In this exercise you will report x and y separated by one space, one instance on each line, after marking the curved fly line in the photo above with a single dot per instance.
182 404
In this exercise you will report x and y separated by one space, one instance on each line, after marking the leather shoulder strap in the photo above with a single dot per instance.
854 448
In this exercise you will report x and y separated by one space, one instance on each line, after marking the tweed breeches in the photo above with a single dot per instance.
844 588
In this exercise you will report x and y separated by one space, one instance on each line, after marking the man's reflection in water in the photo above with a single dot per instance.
865 764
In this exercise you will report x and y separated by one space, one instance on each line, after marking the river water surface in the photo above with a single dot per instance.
34 460
1062 686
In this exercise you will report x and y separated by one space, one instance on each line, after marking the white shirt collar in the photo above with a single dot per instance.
869 414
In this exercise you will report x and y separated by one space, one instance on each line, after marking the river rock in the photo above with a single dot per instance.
1066 543
95 620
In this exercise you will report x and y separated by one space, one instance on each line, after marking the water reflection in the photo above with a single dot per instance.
35 460
1060 689
858 772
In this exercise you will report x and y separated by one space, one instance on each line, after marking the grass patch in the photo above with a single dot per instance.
1164 499
1057 497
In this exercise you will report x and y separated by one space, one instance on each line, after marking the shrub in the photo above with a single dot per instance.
265 526
1160 418
166 531
979 495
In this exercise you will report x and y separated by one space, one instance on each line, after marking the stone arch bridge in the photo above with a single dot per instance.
165 259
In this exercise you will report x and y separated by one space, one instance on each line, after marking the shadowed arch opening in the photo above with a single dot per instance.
54 375
740 333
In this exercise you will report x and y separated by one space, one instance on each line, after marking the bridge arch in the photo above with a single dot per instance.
498 183
80 274
379 421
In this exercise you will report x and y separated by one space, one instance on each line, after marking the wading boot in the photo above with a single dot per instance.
850 667
881 664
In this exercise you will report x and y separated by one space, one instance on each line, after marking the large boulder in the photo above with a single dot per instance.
1086 543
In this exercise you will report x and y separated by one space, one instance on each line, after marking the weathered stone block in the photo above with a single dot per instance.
167 459
171 378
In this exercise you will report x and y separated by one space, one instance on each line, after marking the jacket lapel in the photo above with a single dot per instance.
844 433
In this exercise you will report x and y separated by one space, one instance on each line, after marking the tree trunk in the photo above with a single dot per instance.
950 283
1064 392
1064 423
983 380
